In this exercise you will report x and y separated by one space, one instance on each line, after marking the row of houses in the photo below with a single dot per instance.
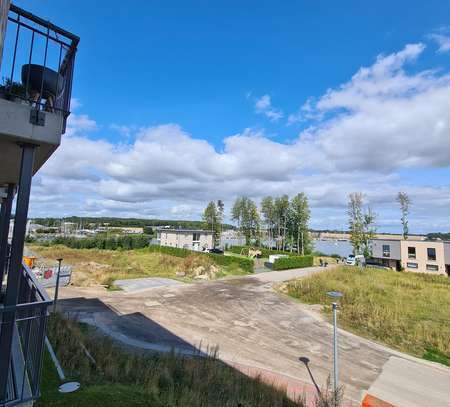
420 256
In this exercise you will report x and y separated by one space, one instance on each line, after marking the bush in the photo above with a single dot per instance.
264 251
293 262
244 264
124 242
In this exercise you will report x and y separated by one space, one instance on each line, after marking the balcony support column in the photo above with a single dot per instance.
5 217
15 263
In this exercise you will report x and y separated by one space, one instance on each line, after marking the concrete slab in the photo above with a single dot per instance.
406 383
139 284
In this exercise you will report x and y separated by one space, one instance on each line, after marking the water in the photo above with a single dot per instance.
343 248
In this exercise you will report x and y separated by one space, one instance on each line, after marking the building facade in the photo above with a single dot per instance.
432 257
191 239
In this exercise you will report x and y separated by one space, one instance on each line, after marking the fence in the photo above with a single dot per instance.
27 320
38 62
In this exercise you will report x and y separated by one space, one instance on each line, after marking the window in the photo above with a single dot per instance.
411 252
412 265
432 267
431 251
386 250
196 237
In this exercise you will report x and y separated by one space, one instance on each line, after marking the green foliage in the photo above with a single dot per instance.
245 264
264 251
293 262
245 213
92 222
408 311
212 218
126 242
361 224
121 378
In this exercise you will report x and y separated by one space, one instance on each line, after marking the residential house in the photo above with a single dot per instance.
419 256
191 239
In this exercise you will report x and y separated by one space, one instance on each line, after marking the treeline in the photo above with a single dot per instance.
279 222
438 236
125 242
123 222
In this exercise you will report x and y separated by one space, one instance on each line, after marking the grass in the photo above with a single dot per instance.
119 378
409 312
93 266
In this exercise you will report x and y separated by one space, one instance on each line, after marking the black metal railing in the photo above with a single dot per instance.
28 319
38 62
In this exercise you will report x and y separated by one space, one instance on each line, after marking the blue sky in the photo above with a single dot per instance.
230 78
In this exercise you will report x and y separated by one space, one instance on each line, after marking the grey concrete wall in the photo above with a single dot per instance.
377 248
447 252
4 8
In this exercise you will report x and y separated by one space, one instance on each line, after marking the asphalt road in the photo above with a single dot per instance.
245 318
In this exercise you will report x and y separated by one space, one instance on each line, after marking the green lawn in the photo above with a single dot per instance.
407 311
119 378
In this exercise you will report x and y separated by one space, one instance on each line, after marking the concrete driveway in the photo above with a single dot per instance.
253 327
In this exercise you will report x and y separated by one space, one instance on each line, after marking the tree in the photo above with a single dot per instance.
211 219
220 213
281 206
245 213
405 202
299 223
268 212
361 224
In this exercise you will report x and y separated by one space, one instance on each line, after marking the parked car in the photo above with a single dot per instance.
353 260
216 250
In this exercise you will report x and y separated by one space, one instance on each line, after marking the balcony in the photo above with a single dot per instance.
35 90
36 67
27 323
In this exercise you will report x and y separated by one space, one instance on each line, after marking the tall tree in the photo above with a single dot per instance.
368 231
361 224
220 213
268 212
355 221
211 219
281 206
405 202
299 223
245 213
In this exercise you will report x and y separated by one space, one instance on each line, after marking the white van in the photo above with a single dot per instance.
353 260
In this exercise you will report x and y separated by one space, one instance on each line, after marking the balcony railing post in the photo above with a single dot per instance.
15 265
5 217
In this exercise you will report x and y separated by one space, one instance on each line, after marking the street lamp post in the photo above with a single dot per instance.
57 284
335 295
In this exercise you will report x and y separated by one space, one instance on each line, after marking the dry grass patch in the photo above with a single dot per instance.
410 312
93 266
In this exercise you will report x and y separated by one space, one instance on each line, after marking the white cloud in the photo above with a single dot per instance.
360 136
263 105
442 38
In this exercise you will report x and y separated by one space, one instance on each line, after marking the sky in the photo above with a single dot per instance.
176 103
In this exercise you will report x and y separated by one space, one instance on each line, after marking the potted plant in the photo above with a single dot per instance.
13 91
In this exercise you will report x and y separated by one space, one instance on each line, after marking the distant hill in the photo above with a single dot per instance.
89 222
437 236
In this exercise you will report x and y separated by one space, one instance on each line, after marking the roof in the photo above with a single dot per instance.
206 232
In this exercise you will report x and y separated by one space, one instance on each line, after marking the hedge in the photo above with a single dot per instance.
264 251
293 262
245 264
125 242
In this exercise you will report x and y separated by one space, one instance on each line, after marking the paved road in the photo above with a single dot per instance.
250 323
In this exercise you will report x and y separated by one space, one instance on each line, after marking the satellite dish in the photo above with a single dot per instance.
69 387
